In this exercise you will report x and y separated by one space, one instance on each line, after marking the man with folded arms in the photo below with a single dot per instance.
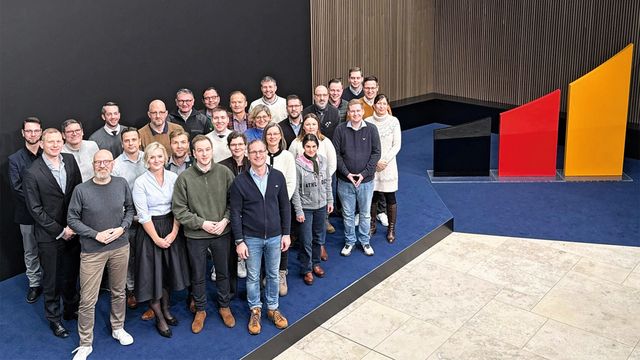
100 212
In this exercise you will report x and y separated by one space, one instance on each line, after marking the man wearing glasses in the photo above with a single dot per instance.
100 212
158 128
82 150
194 122
211 100
292 124
328 115
19 162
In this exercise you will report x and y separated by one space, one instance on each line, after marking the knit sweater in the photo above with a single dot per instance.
220 148
199 196
313 190
285 162
357 151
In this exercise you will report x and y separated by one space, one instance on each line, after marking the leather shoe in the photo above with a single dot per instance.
166 333
173 321
308 278
198 321
148 315
318 271
324 256
58 329
227 317
33 294
132 302
191 303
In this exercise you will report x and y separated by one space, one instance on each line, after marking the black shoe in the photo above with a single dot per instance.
70 315
58 329
172 321
166 333
33 294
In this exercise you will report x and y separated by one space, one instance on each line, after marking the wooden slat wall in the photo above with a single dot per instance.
390 39
502 51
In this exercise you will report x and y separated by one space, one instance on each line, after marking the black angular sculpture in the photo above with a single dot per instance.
463 150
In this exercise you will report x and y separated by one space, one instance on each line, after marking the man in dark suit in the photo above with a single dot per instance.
48 185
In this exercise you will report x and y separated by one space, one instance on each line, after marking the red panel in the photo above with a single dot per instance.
529 138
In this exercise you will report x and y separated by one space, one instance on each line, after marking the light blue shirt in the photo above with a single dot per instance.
59 174
129 169
261 181
152 199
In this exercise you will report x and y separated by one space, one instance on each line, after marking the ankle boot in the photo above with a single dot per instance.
374 214
392 213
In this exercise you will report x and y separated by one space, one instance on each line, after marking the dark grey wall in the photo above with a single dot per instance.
62 59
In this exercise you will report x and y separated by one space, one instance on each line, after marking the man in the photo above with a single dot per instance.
370 92
358 151
179 161
48 185
19 162
258 191
218 136
336 100
293 123
129 165
100 212
239 118
82 150
328 115
276 104
108 136
158 128
211 100
200 204
354 91
192 121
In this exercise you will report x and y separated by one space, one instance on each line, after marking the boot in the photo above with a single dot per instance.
374 213
392 213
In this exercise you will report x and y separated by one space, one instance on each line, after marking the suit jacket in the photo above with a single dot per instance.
19 162
45 200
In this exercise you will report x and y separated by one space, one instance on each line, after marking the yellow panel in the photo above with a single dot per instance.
597 107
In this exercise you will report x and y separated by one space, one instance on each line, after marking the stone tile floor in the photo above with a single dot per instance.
493 297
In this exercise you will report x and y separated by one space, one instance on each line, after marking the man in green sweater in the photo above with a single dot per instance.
200 204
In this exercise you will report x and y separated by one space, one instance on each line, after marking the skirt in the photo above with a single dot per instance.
158 268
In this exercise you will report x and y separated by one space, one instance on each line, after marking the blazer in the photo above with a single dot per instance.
19 162
45 200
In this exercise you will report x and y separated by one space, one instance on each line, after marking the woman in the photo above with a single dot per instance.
385 182
311 125
260 116
238 161
161 258
312 201
282 160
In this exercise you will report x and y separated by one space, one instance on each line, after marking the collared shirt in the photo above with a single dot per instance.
165 129
296 128
178 169
151 198
110 131
261 181
129 169
239 125
362 124
60 174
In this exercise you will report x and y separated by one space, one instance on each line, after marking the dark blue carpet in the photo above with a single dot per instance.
25 334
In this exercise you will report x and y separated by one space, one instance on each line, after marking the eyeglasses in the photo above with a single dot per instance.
237 145
32 131
257 152
184 101
156 113
75 132
102 162
209 98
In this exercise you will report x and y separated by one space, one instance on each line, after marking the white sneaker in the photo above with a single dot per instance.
346 250
81 352
242 269
368 250
356 219
124 337
213 273
384 220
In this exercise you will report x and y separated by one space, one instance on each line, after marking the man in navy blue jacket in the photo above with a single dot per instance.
260 222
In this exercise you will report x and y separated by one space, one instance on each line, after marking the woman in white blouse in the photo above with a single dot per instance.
161 258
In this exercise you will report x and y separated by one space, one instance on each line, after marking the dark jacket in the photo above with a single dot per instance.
287 131
196 124
230 162
255 216
19 162
329 118
357 152
45 200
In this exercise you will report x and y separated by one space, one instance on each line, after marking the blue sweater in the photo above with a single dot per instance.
357 151
255 216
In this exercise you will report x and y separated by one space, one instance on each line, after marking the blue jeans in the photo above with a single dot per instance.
349 197
312 235
270 248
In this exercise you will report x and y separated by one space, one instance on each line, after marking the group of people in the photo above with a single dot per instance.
150 205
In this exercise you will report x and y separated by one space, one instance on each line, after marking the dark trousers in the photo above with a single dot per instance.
233 269
197 250
60 261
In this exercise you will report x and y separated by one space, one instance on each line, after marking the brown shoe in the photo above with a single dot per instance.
330 228
324 256
308 278
192 304
198 321
227 317
132 303
148 315
318 271
254 321
278 319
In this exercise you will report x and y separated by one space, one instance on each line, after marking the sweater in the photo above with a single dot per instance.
219 145
357 151
390 143
285 162
255 216
200 196
84 157
313 190
278 109
148 135
108 141
325 149
94 208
